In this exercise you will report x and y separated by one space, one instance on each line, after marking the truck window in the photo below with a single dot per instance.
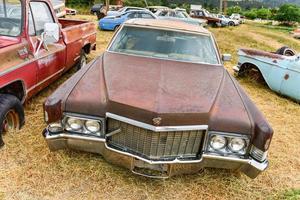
31 29
41 15
10 17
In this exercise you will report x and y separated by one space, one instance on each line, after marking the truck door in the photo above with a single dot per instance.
50 60
291 80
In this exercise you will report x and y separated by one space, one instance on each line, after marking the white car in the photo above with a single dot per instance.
228 21
123 10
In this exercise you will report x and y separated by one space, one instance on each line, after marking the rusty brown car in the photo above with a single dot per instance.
160 103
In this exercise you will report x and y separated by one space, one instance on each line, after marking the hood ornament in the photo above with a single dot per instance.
157 121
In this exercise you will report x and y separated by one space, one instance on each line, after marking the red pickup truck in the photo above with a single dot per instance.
35 49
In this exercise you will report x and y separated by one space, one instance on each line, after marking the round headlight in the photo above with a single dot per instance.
236 144
92 126
75 124
217 142
55 127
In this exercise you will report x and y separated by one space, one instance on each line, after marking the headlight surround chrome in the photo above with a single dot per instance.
79 124
236 144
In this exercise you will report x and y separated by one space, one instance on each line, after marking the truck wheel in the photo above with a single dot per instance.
231 23
11 114
82 60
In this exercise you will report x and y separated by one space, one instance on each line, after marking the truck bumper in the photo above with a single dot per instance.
148 168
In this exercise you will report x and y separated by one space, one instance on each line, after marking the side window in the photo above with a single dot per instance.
31 29
133 15
163 13
147 16
41 15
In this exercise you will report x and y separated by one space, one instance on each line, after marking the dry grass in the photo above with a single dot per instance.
29 171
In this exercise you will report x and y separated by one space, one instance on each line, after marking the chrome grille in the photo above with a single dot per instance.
154 145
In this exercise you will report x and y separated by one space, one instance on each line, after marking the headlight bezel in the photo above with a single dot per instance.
226 151
83 129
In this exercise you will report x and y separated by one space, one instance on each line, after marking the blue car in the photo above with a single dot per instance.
113 22
280 70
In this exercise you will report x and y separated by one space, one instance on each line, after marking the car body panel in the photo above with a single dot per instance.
281 73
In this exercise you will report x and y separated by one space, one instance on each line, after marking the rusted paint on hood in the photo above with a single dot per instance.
253 52
144 88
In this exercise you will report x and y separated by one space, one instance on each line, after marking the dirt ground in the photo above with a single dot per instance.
28 170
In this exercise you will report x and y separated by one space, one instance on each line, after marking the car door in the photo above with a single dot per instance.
50 59
291 80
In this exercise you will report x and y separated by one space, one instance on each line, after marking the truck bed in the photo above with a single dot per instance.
77 34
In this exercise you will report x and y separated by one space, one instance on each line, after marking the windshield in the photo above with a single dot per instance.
10 17
165 44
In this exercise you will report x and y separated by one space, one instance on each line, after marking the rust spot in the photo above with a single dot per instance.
286 77
254 52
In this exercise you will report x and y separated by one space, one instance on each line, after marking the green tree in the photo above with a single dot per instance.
263 13
288 13
251 14
234 9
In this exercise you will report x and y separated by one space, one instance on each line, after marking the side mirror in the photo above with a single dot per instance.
51 33
226 57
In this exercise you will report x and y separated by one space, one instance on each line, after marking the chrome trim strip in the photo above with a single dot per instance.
175 161
156 128
73 136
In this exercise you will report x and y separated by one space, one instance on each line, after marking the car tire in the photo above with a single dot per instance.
231 23
285 51
82 60
116 27
11 114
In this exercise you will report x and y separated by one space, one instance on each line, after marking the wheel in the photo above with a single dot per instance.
285 51
231 23
82 60
11 114
116 27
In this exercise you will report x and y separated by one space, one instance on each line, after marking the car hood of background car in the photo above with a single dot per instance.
142 88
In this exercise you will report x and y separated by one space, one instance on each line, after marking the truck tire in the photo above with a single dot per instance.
11 114
285 51
82 60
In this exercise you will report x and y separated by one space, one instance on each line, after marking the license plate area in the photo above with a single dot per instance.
150 170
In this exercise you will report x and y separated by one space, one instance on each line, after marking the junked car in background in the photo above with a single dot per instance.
238 17
170 14
204 14
71 11
59 7
154 9
228 21
113 22
279 70
123 10
36 53
160 103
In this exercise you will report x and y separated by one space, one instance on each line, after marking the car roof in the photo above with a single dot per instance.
167 24
138 11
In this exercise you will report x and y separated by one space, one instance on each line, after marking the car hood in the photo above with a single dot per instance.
143 88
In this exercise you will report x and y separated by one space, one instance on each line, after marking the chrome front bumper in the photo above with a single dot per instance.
142 166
